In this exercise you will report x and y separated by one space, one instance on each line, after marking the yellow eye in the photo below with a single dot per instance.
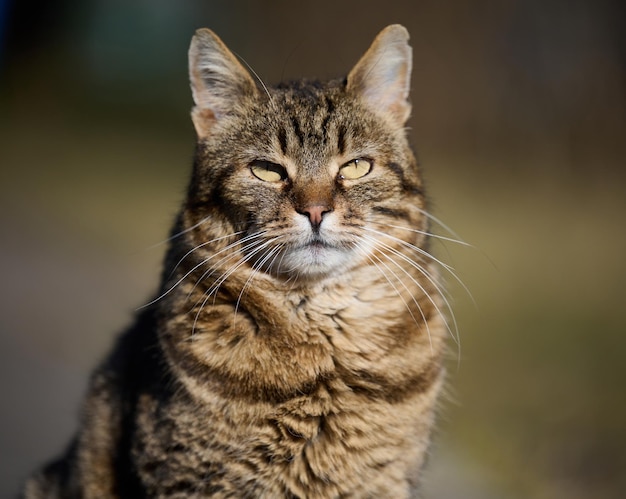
268 171
354 169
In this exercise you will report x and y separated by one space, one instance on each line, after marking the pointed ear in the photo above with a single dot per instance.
218 81
382 78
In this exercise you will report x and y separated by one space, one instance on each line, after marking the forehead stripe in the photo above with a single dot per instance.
282 139
297 130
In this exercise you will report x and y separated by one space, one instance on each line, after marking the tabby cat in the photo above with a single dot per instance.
295 346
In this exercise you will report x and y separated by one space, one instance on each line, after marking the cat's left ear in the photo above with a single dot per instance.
218 81
382 77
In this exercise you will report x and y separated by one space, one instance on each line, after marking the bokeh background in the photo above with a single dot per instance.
519 121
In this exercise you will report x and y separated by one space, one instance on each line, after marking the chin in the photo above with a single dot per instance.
313 262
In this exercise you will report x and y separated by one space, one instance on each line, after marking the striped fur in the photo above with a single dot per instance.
295 347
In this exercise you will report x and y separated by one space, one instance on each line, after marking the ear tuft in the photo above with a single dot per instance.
382 77
218 80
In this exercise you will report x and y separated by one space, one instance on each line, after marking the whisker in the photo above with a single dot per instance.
458 239
273 253
411 246
244 260
203 262
202 245
419 268
218 282
258 79
371 257
441 224
425 253
175 285
178 234
425 233
229 256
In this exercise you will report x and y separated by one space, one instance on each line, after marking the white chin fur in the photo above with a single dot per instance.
311 261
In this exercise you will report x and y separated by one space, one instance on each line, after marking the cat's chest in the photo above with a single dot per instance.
352 321
273 345
304 380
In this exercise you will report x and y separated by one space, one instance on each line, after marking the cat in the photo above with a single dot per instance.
295 348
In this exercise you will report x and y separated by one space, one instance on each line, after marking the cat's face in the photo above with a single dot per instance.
305 176
309 175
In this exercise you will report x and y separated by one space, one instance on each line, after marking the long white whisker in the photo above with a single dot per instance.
173 286
244 260
178 234
229 256
425 233
257 77
458 240
436 220
420 269
217 284
421 251
413 247
273 253
203 262
384 274
202 245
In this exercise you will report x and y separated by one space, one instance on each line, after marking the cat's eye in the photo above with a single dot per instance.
268 171
354 169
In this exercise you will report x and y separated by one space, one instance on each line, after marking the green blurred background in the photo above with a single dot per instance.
519 121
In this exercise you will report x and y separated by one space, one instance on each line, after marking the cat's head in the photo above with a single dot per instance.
314 177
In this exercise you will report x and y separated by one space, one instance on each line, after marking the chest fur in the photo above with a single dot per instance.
308 392
331 441
271 345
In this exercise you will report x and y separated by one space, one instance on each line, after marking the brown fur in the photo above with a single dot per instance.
295 349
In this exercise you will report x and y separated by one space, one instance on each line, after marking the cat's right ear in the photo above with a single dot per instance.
382 77
218 81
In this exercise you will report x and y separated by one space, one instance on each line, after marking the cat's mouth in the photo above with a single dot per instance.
315 257
317 250
317 245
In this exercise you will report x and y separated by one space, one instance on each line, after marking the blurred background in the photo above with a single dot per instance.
519 119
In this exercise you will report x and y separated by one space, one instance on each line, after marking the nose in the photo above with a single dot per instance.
315 213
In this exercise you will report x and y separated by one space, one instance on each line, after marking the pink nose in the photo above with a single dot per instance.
316 213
